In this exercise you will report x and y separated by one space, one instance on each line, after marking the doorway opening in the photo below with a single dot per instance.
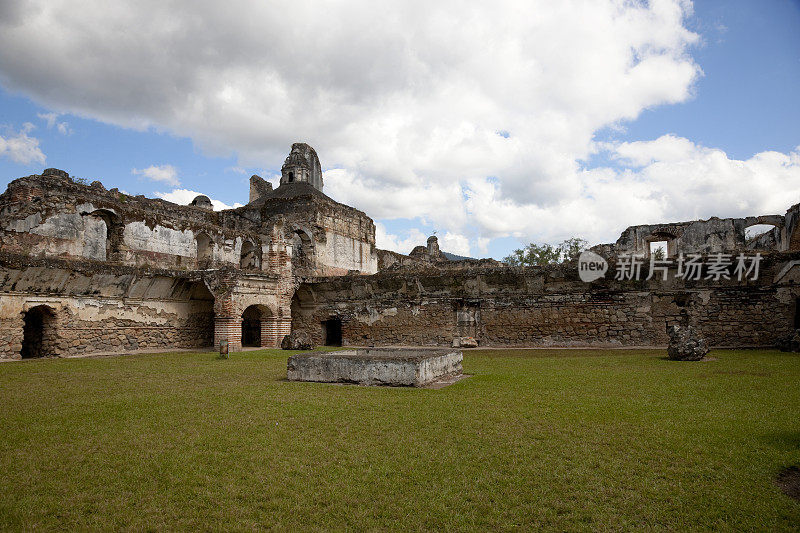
38 333
333 332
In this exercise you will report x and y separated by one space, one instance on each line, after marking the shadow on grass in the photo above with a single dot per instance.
784 441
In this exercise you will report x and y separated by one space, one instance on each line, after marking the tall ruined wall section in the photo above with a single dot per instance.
543 307
332 238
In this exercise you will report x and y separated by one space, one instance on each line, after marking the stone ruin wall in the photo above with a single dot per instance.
709 236
51 215
85 253
542 307
102 310
343 238
119 273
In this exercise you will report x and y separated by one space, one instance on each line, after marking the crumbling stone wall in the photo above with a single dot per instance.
792 229
50 215
338 238
542 307
706 236
119 261
98 308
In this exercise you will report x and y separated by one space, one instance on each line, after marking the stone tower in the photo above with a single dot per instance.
302 166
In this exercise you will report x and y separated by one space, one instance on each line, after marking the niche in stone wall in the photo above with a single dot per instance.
251 256
201 315
468 317
302 249
205 248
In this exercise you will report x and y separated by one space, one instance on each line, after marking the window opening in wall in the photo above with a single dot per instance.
249 257
658 249
797 314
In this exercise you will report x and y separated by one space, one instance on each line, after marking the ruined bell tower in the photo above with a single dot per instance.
302 166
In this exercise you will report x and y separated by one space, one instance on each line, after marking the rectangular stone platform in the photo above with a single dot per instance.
409 367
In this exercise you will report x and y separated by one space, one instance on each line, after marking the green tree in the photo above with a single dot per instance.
547 254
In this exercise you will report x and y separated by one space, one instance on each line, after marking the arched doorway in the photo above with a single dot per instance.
38 333
102 235
254 326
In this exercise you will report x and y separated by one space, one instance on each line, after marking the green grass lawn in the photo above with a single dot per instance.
556 439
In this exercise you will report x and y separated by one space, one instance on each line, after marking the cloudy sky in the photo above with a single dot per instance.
493 124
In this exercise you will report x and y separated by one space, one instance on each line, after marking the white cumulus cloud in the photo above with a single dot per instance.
21 148
388 241
165 173
672 179
474 117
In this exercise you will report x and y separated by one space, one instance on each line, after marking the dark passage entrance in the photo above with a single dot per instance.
251 327
333 332
38 334
797 314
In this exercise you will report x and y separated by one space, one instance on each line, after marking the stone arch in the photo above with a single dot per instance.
205 249
250 255
39 335
255 325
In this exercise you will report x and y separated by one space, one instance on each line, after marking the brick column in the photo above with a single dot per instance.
269 333
229 328
273 329
284 326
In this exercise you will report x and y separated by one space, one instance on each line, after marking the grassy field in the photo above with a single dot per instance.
556 439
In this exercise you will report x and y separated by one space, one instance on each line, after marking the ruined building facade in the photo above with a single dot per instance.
87 270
